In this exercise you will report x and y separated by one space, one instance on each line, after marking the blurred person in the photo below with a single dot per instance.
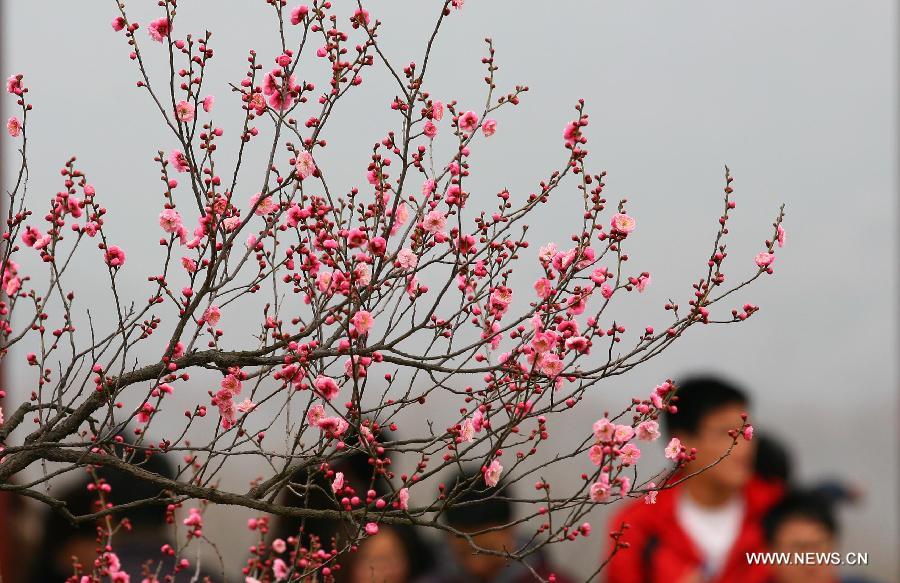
804 521
314 491
486 520
700 530
61 540
397 554
774 461
17 519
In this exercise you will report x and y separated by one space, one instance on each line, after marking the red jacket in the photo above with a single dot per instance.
661 552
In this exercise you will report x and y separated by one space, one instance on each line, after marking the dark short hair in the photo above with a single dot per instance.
809 504
477 506
773 459
697 397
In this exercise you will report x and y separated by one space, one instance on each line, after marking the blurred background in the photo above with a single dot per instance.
798 98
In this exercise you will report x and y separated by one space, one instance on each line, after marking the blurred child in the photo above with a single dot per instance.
804 522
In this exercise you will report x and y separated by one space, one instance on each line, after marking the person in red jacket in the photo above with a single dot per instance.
700 530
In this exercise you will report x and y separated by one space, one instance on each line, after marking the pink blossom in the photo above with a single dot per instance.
212 315
112 562
623 433
501 296
437 110
362 273
274 81
118 23
338 482
622 223
430 129
547 253
467 432
600 489
377 245
304 166
145 413
492 473
356 237
360 16
281 100
544 341
159 29
226 409
599 275
371 529
296 214
543 288
231 223
179 161
489 127
781 235
315 414
604 430
298 14
468 121
596 455
335 425
170 220
434 222
114 256
14 85
208 103
280 569
642 283
279 546
194 518
630 454
606 291
458 4
748 432
14 126
232 384
478 421
624 485
30 236
561 261
326 387
11 282
266 206
42 242
407 259
650 498
551 365
648 431
400 218
90 229
673 449
246 406
184 111
362 321
570 133
764 259
257 102
578 344
403 498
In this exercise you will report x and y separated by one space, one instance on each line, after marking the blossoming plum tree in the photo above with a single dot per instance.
371 302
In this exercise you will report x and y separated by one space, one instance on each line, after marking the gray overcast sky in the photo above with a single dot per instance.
797 97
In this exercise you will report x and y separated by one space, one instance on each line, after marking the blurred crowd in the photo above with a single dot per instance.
701 530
